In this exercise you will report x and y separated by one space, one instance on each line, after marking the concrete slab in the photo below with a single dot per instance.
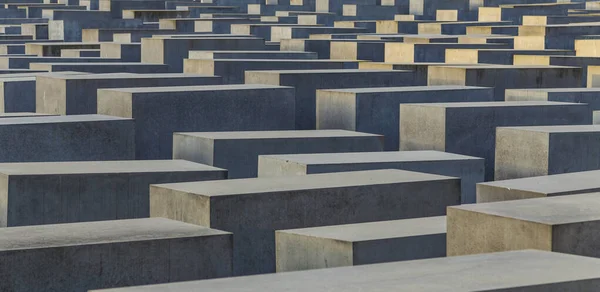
469 169
238 152
64 192
469 128
563 224
254 208
543 150
94 255
521 270
360 244
376 110
197 108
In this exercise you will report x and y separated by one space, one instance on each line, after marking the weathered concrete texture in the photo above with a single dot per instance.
113 67
172 51
63 192
589 96
503 77
238 151
160 111
543 150
94 255
232 70
469 128
251 55
254 208
495 56
376 110
17 94
566 224
523 271
469 169
360 244
66 138
306 83
77 94
539 186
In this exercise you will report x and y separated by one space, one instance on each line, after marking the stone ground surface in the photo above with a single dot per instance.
378 145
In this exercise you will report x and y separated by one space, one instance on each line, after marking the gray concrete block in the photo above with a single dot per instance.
543 150
526 271
66 138
61 94
172 51
160 111
306 83
53 49
469 169
24 62
539 186
125 52
469 128
233 70
80 53
238 152
113 67
94 255
503 77
360 244
575 95
64 192
565 224
251 55
376 110
17 94
254 208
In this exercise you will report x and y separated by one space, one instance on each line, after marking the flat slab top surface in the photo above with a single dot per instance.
371 157
549 210
552 184
276 60
291 134
74 234
507 67
304 182
377 230
255 52
210 88
406 89
131 76
99 64
567 90
59 119
103 167
495 104
23 114
482 272
558 129
330 71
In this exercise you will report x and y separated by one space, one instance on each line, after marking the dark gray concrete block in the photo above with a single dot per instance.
160 111
469 128
238 151
360 244
252 209
64 192
94 255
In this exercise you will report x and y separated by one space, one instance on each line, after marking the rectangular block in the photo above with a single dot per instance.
64 192
526 271
77 94
503 77
376 110
539 186
469 169
543 150
238 151
172 51
576 95
251 55
17 94
254 208
160 111
233 70
306 83
114 67
469 128
360 244
565 224
94 255
66 138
